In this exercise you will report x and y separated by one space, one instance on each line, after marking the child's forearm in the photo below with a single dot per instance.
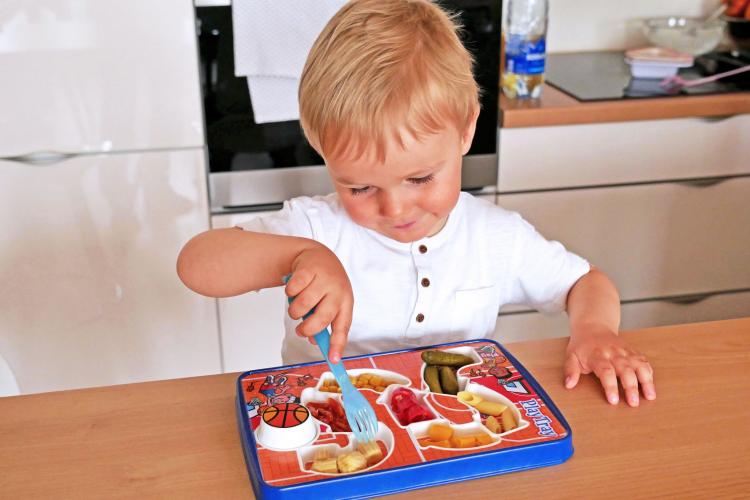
593 304
228 262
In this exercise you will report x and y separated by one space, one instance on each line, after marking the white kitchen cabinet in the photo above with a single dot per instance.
653 240
98 75
252 325
89 294
534 325
543 158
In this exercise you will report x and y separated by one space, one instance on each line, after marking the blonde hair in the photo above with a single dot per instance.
382 65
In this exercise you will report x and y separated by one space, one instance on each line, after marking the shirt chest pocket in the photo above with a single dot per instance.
475 312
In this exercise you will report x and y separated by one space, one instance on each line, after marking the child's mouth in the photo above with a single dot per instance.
405 226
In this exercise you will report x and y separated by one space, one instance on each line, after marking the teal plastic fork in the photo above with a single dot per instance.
359 412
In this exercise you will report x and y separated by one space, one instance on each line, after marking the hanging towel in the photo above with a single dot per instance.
271 42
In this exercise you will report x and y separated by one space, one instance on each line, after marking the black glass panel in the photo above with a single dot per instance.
236 142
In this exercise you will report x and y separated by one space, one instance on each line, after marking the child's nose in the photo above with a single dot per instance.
391 204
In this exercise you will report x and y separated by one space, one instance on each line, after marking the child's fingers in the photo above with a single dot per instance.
325 311
300 280
608 378
646 377
339 335
572 370
629 385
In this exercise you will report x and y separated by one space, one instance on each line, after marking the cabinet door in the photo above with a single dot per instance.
653 240
98 75
252 325
89 294
537 326
618 153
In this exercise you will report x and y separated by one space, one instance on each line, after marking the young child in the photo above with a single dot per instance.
398 256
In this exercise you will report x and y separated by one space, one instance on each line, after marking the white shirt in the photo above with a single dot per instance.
484 258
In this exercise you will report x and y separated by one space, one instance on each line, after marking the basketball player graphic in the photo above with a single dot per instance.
273 386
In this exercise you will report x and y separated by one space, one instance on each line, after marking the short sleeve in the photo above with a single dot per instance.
291 220
543 271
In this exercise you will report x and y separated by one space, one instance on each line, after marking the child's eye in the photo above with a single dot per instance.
362 190
422 180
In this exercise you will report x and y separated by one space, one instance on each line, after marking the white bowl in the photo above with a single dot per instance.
286 426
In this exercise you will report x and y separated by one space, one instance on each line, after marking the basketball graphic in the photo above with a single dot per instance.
285 415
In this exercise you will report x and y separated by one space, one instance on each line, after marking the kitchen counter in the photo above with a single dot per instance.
178 438
555 107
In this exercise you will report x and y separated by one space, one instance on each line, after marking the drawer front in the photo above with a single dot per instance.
652 240
616 153
537 326
98 76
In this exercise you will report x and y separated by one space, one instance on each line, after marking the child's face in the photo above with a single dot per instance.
410 194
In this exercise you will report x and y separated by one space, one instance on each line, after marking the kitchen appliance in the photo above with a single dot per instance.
593 76
256 167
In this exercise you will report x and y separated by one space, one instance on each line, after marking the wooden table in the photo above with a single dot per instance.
178 438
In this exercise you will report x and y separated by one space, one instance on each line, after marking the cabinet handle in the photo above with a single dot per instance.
685 300
41 158
703 183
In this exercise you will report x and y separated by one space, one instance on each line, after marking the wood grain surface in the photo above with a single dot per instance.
558 108
179 439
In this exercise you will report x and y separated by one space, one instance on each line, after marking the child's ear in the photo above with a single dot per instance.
467 136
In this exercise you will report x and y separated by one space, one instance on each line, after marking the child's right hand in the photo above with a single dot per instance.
320 281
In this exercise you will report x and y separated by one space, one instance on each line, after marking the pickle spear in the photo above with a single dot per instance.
443 358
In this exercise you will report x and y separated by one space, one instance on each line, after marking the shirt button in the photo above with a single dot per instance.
420 317
425 282
422 249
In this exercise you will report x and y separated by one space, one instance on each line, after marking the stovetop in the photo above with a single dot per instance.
594 76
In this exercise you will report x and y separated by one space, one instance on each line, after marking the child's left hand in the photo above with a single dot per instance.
607 356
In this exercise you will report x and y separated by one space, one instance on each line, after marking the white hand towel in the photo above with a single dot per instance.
271 42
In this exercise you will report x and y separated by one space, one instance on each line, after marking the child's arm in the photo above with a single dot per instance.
593 307
228 262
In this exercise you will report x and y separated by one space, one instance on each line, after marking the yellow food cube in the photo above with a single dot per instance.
328 466
351 462
321 454
375 380
493 425
508 421
440 432
463 441
372 452
442 444
483 439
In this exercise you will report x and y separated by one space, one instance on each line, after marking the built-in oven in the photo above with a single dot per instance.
256 166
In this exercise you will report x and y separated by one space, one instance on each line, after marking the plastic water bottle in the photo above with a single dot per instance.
524 37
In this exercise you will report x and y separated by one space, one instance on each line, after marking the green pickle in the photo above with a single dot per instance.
448 380
432 378
443 358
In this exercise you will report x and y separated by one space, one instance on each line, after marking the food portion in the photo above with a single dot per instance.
443 358
331 413
440 372
366 455
444 436
500 417
361 381
407 408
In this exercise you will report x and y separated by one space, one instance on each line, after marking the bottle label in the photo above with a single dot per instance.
524 56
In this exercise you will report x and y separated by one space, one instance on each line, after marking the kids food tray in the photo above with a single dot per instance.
446 413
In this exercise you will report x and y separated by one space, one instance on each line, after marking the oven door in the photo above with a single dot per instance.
256 166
